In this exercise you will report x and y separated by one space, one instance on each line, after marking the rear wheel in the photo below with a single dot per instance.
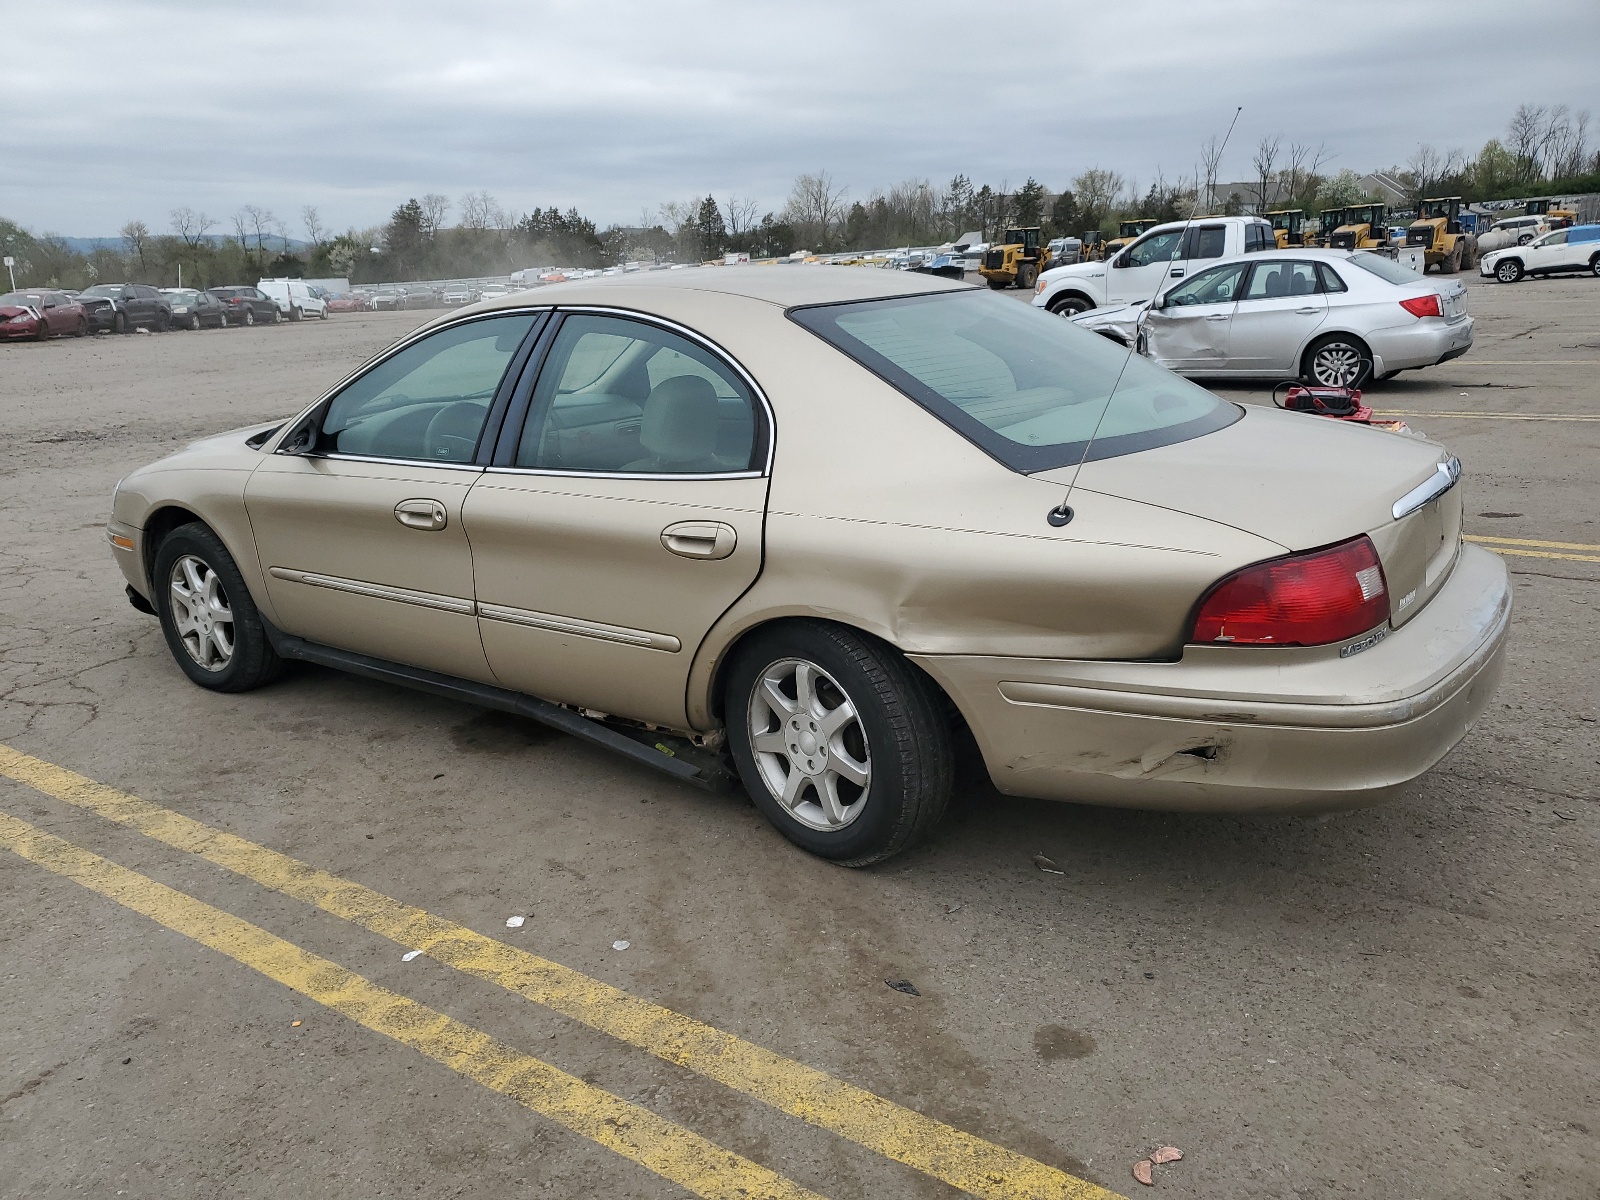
841 742
1337 360
1508 270
295 314
212 628
249 315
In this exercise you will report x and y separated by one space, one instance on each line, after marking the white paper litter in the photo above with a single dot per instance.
409 955
515 922
621 944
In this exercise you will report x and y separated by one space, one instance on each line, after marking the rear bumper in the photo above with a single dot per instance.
1419 345
1236 729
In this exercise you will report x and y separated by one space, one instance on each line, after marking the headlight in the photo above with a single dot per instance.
1039 287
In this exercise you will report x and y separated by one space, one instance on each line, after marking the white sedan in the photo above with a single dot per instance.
1329 317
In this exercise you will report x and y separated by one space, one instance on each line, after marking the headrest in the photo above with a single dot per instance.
680 419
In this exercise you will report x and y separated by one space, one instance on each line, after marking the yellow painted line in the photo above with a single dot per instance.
1483 416
653 1142
1525 362
960 1159
1486 539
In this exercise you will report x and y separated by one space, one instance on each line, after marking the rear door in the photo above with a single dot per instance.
621 517
1281 307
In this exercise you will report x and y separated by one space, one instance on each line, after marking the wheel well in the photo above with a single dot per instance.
1055 300
719 677
156 527
1112 336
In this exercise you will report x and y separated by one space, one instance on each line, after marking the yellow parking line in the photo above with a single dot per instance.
960 1159
1485 538
1483 416
653 1142
1525 362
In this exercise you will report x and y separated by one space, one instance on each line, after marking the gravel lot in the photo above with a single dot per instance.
1397 1002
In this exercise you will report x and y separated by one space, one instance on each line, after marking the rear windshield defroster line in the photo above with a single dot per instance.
1025 387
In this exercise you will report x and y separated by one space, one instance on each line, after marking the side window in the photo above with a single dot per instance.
429 401
617 395
1554 239
1330 279
1273 280
1208 241
1253 239
1217 285
1158 247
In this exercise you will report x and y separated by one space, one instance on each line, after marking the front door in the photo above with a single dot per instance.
1280 308
622 520
1190 331
1549 253
362 541
1138 272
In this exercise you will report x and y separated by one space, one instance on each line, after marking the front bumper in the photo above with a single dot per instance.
1240 729
1423 344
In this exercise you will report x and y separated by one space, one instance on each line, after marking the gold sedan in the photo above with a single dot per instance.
802 526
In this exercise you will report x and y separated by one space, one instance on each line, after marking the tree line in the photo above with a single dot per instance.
1546 148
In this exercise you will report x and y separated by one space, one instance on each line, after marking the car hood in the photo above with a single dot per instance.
1298 480
7 311
1122 316
1077 270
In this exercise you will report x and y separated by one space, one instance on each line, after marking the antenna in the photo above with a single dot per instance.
1062 513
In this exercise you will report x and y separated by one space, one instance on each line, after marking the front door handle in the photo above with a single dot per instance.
421 514
1218 317
1177 272
700 539
1306 312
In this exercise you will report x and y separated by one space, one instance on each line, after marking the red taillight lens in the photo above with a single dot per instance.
1423 306
1302 600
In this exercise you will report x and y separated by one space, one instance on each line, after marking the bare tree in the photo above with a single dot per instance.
134 235
434 208
1265 162
241 225
1098 191
1524 135
740 214
478 211
312 220
815 206
1210 162
1302 174
191 226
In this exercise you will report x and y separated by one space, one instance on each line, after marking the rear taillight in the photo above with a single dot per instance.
1302 600
1423 306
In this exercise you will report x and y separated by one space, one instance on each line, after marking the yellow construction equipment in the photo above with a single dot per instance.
1128 230
1556 215
1438 231
1016 260
1289 227
1361 227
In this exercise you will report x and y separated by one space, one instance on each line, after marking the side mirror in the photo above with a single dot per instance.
302 439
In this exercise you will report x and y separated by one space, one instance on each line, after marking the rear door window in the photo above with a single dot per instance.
1275 280
1208 241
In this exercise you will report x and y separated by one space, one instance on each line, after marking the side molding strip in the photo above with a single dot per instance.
590 629
379 591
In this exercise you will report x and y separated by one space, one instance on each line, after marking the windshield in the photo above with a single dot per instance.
1026 387
1385 268
22 299
108 290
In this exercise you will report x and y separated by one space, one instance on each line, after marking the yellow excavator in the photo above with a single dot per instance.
1289 227
1015 260
1360 227
1438 231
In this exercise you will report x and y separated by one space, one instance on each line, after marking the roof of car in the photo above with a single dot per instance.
785 286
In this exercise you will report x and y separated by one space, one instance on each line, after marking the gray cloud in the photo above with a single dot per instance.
119 110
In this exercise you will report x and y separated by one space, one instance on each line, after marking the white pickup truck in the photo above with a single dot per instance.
1143 267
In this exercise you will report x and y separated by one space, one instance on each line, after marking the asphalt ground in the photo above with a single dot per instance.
209 900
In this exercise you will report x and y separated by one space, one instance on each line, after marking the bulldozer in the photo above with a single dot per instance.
1289 227
1015 260
1360 227
1438 231
1128 230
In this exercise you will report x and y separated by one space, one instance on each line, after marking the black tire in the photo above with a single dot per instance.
1508 270
194 320
119 322
1594 265
1070 305
998 285
249 315
1469 252
296 315
276 317
1524 238
899 713
253 661
83 327
1027 275
42 333
163 320
1317 367
323 315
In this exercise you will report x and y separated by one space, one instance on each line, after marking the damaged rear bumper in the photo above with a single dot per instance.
1238 728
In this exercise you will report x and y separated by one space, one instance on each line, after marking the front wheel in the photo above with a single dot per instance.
1027 275
83 328
194 320
1508 270
163 321
998 284
212 628
841 742
119 323
1336 361
1070 306
1594 265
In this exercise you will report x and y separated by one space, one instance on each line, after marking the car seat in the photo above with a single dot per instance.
679 428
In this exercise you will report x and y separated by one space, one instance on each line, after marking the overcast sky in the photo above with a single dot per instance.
129 109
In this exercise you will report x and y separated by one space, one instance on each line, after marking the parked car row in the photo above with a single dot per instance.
125 307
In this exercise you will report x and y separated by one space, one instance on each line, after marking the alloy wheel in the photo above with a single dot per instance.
201 613
1338 364
809 744
1508 271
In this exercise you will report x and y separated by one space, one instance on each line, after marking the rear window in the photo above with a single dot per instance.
1385 268
1026 387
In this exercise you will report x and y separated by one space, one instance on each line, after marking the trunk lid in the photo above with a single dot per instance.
1303 482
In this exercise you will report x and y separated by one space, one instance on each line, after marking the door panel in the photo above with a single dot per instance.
1281 308
1194 338
344 569
1145 267
593 592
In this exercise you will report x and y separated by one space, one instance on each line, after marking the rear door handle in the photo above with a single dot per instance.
1177 272
1306 312
421 514
700 539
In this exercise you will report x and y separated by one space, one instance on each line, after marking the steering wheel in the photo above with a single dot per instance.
452 433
